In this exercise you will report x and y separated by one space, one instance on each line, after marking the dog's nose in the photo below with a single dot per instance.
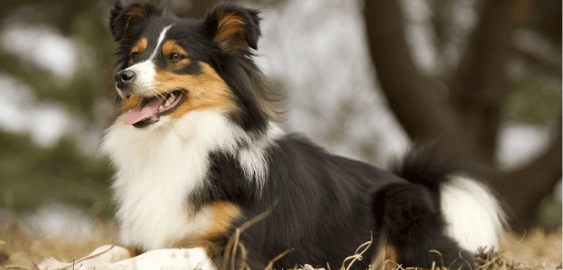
125 77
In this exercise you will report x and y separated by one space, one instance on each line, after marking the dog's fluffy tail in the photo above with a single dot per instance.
473 216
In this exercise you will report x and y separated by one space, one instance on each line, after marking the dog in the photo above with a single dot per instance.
198 154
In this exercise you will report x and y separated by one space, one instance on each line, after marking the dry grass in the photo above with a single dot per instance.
536 250
19 250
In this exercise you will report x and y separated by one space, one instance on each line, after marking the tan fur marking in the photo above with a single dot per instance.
181 64
386 255
390 253
205 91
141 46
132 15
231 33
136 12
224 213
130 103
221 216
134 251
171 46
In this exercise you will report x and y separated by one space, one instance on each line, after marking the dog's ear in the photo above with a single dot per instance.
233 28
123 19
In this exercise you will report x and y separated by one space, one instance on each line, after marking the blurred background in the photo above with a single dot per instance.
365 79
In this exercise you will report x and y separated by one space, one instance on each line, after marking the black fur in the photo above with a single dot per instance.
428 165
409 217
122 24
328 205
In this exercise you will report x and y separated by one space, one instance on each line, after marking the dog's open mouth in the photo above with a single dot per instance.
150 109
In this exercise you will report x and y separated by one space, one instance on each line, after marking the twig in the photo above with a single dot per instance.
86 258
34 264
357 255
233 241
234 251
467 262
271 263
260 217
441 257
243 255
491 261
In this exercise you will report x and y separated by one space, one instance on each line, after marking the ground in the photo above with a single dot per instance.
537 249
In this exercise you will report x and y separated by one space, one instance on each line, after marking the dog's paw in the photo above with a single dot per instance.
52 264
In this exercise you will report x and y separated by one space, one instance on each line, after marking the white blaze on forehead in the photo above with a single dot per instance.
145 71
159 42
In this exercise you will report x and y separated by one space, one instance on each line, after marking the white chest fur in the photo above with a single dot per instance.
157 168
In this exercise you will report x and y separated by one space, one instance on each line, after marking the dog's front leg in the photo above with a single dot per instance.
103 254
169 259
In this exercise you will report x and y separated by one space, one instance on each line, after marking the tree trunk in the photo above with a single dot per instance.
478 87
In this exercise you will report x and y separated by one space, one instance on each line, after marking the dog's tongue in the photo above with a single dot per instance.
139 114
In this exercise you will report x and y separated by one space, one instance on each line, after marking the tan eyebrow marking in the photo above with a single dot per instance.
141 46
171 46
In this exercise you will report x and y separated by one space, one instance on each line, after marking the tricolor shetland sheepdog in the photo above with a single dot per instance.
197 155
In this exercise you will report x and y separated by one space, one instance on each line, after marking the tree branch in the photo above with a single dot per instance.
478 86
414 99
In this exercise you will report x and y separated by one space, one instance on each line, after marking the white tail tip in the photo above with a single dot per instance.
474 217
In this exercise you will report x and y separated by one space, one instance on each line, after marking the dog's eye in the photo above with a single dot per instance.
134 56
175 57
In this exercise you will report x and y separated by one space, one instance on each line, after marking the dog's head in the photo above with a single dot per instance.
169 67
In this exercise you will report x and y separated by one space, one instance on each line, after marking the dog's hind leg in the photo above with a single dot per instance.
412 231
